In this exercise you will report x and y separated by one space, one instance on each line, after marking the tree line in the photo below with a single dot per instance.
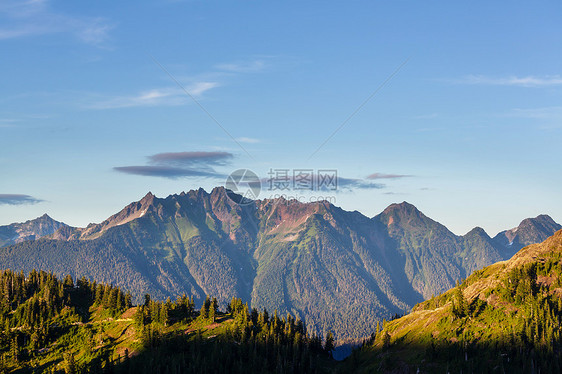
46 327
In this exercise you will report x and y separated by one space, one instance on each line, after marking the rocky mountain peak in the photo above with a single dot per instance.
478 231
529 231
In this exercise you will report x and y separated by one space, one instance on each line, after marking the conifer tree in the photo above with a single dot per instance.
385 340
68 282
165 313
329 344
213 310
460 306
205 308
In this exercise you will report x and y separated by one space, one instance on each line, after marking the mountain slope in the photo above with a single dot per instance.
329 267
506 317
428 247
336 270
177 245
435 257
332 268
479 250
30 230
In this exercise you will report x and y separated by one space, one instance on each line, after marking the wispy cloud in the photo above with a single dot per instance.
175 165
526 81
17 199
243 67
387 176
195 85
192 158
22 9
248 140
95 31
169 96
34 17
544 113
8 122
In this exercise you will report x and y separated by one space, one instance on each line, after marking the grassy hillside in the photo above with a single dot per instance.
504 318
53 326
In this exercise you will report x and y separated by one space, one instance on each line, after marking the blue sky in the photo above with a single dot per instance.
468 128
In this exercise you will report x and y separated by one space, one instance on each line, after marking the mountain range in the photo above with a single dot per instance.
337 270
503 318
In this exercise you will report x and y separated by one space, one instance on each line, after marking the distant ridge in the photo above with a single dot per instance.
529 231
29 230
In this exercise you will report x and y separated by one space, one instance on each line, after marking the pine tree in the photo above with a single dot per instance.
165 313
128 300
213 309
68 282
211 313
138 317
99 294
329 345
385 340
119 301
111 301
205 308
460 306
